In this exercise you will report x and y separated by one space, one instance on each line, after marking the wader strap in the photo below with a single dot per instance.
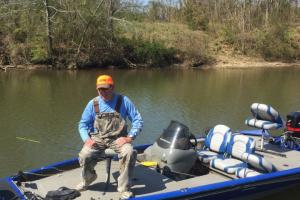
119 103
96 105
117 108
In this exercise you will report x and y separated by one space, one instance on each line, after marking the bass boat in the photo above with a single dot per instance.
223 164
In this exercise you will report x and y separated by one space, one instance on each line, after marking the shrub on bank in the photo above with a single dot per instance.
278 44
146 53
187 46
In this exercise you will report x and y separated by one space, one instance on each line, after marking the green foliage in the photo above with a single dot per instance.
229 34
38 51
199 23
153 54
132 16
20 35
276 44
195 16
38 55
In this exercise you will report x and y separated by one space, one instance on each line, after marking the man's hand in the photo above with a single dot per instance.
89 143
123 140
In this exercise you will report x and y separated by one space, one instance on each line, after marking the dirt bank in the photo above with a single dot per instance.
248 62
222 62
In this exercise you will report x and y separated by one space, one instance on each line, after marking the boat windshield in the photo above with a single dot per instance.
176 136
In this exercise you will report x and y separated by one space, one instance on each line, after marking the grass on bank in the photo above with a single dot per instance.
188 47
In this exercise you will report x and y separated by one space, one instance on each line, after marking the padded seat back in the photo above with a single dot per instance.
240 144
259 163
265 117
218 138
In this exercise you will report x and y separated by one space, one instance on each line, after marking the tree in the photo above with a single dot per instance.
49 30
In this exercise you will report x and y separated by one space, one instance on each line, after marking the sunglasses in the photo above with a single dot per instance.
104 89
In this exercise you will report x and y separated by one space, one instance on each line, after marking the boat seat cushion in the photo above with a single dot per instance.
262 124
217 138
246 172
259 162
265 117
240 144
206 156
229 165
215 143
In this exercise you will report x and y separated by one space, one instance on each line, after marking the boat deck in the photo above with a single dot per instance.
146 181
282 159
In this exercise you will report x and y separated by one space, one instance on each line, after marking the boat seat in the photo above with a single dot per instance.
109 155
206 156
246 172
258 162
215 143
228 165
262 124
265 117
238 145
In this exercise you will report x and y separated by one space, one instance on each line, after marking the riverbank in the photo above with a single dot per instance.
238 61
221 62
23 67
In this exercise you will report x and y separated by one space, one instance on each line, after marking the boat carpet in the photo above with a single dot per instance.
281 158
146 181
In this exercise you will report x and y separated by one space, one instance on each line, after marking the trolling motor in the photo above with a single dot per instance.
173 150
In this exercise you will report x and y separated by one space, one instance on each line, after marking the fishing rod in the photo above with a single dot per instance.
39 142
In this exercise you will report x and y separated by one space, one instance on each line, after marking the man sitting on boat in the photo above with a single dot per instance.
103 126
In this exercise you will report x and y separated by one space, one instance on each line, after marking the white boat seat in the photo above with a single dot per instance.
258 162
238 145
246 172
265 117
215 143
262 124
206 156
229 165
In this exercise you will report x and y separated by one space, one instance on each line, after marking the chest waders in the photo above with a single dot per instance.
108 125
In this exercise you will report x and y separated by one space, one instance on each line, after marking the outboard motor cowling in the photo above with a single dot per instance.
173 149
293 123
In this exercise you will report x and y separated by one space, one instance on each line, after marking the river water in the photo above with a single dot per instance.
44 107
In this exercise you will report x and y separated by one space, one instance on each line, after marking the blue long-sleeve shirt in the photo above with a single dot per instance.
127 110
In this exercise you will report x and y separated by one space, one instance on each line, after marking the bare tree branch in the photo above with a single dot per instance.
61 11
86 28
